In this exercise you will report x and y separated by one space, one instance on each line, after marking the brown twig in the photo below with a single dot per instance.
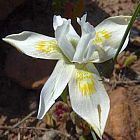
20 122
117 83
17 126
24 119
10 128
18 135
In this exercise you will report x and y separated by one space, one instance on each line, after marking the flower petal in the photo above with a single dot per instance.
98 55
54 86
58 21
63 40
88 33
35 45
89 98
109 34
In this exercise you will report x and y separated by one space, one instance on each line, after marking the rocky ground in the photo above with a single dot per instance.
22 77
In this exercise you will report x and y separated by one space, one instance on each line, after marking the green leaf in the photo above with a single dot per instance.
134 16
130 60
64 95
82 138
93 135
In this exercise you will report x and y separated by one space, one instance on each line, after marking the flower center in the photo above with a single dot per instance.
47 46
85 82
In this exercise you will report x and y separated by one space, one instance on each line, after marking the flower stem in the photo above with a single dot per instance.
93 135
134 16
64 95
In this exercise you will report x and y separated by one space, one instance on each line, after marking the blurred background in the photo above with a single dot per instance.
22 77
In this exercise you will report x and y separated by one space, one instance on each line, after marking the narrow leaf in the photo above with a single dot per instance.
137 11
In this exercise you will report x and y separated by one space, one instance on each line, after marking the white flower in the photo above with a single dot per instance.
76 54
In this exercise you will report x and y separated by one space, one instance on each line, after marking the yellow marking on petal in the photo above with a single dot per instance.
48 46
85 82
101 36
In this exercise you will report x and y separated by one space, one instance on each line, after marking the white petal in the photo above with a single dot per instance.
89 98
109 34
54 86
58 21
35 45
61 36
98 55
88 32
90 49
86 27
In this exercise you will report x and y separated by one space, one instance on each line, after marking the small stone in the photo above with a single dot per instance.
123 122
136 40
50 135
2 119
118 122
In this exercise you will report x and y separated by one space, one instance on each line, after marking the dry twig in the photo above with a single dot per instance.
24 119
117 83
20 122
10 128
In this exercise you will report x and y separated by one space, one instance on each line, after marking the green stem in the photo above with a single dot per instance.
93 135
64 94
134 16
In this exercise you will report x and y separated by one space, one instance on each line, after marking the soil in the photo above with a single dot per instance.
20 90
